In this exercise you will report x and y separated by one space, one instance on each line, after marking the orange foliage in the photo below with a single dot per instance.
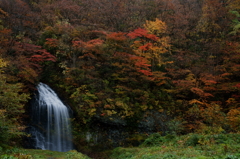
118 36
94 42
87 45
209 82
51 42
201 93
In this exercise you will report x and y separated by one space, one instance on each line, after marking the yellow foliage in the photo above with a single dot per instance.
231 101
233 117
92 112
204 129
120 104
144 107
234 5
213 115
110 112
162 45
208 22
156 27
128 113
2 63
150 49
2 112
191 77
195 101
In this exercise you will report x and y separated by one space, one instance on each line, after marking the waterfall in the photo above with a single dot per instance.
51 126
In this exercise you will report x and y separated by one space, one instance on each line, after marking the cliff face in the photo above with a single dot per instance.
107 133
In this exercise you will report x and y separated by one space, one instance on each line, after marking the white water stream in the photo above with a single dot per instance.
51 121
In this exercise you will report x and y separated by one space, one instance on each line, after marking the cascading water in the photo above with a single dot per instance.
51 126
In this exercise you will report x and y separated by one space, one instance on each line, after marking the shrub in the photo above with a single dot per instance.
153 140
5 156
232 157
175 126
193 140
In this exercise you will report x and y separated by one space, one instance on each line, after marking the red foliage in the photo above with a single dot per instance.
236 96
137 33
225 74
145 47
237 85
118 36
45 56
78 44
51 42
33 52
146 72
209 82
29 60
122 54
140 61
89 55
103 114
142 65
92 43
201 93
142 33
87 45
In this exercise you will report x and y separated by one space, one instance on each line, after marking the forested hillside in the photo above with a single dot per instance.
121 61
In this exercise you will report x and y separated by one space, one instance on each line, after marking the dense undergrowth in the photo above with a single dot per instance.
16 153
194 146
156 146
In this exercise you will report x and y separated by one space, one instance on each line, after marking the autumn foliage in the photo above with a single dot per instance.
120 59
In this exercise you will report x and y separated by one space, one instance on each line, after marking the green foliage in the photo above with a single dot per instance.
136 139
11 108
175 126
4 129
75 155
153 140
7 157
157 139
232 157
236 23
11 99
196 146
193 140
41 154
